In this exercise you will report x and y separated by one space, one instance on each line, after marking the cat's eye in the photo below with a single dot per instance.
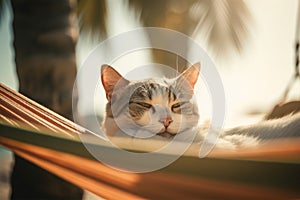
177 105
145 105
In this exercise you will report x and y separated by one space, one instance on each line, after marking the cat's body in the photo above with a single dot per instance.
263 131
165 107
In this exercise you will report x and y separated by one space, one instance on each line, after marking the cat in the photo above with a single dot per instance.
162 107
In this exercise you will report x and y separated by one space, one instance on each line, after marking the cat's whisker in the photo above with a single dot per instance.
177 62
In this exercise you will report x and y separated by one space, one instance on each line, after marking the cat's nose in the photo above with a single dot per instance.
166 121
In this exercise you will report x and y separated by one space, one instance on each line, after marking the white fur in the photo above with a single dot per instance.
255 134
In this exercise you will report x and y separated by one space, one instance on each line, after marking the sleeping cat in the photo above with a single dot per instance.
165 107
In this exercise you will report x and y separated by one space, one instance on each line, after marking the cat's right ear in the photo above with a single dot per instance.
189 77
110 79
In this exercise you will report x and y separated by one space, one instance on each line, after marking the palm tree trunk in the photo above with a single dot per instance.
45 36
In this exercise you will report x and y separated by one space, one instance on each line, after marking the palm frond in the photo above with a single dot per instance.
222 22
151 13
92 17
172 14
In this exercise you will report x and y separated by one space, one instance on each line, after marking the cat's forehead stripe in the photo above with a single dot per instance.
152 87
151 90
156 89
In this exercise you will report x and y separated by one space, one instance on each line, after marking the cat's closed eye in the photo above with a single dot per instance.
176 107
142 104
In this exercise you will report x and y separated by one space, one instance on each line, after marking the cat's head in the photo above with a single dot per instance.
162 106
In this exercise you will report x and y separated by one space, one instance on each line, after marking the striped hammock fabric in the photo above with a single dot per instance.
53 143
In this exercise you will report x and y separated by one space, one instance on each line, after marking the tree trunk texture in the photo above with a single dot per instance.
45 35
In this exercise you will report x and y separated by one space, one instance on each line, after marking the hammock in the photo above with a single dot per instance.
52 142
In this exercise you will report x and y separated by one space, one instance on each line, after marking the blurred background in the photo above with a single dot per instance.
251 42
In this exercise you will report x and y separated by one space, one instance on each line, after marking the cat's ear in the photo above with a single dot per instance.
110 79
190 75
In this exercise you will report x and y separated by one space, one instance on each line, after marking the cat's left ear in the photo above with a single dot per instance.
190 75
110 79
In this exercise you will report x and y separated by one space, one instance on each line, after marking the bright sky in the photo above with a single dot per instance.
253 80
